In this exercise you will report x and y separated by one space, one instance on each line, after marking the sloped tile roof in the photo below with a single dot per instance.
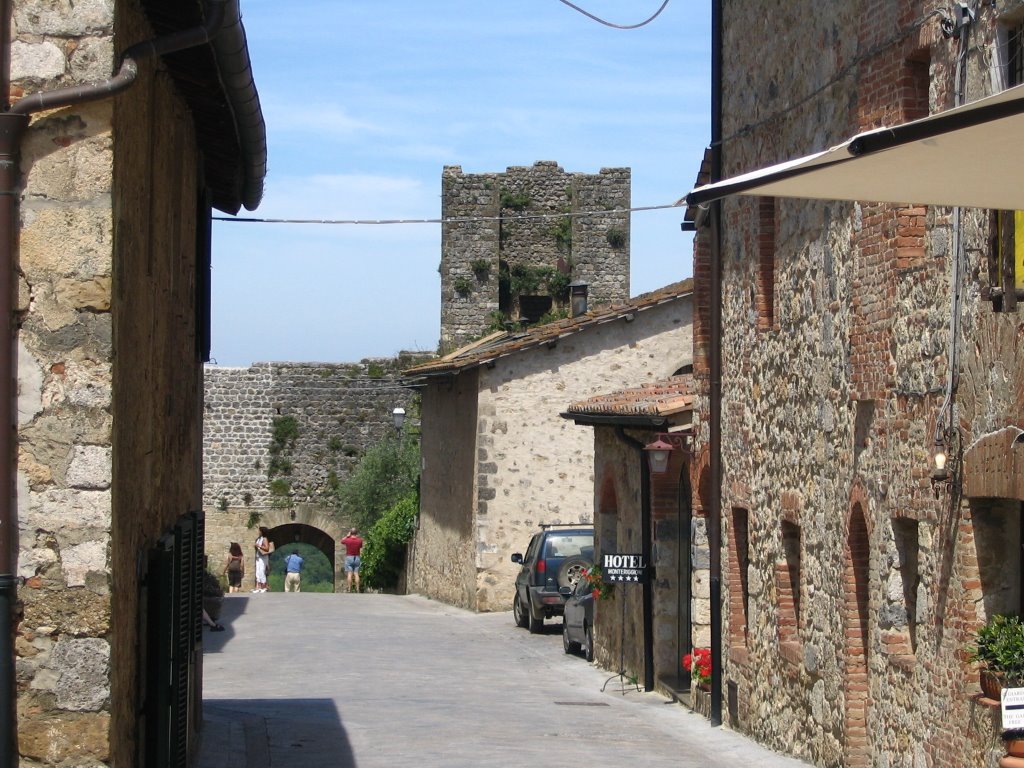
651 403
504 343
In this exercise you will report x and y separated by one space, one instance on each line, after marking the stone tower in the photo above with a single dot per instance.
513 241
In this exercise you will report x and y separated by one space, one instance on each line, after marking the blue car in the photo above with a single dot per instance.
578 620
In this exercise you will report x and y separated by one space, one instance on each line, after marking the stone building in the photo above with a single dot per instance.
498 459
337 411
111 247
646 509
512 242
858 341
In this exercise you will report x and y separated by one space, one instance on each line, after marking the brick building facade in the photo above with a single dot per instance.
852 583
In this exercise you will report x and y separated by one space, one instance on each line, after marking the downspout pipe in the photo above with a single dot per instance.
715 372
13 123
645 550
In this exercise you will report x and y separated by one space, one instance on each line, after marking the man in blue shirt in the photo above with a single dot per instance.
293 571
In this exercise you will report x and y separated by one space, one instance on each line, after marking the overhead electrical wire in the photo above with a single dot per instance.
451 220
610 24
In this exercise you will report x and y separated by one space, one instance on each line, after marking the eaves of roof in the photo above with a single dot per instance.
504 343
216 82
654 405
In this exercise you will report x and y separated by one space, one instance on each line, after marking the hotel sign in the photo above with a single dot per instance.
624 568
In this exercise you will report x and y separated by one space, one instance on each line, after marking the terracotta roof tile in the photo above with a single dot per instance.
661 398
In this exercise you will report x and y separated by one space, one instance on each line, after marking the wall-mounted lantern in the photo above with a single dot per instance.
398 417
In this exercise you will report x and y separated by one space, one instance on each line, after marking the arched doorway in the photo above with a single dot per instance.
855 651
307 525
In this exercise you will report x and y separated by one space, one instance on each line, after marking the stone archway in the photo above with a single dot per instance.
308 524
311 523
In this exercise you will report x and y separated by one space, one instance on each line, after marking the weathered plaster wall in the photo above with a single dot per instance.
535 467
441 559
828 410
545 189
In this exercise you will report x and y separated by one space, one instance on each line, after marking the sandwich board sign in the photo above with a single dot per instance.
1012 701
624 568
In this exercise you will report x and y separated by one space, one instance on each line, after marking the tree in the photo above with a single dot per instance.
387 473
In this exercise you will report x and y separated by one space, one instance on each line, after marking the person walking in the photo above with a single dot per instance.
293 572
263 549
353 547
234 567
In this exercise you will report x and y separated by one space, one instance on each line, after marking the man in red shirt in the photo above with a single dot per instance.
353 546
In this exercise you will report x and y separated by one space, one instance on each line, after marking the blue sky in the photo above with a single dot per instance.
366 101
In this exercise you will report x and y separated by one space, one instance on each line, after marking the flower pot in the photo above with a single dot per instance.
1015 747
991 683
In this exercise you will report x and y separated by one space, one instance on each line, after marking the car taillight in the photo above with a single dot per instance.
542 566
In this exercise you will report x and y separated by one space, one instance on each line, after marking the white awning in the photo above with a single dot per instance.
971 156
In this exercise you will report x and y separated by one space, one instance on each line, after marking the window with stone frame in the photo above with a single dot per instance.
1006 228
899 610
739 588
787 583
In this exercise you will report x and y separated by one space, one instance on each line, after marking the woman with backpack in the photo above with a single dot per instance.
234 567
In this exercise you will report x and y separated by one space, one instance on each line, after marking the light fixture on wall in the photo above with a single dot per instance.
398 417
659 452
945 460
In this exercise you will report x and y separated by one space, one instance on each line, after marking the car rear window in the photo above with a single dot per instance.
570 545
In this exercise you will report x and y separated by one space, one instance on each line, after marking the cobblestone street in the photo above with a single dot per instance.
381 680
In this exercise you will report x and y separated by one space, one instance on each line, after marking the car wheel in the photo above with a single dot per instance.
588 643
568 645
572 570
536 622
519 613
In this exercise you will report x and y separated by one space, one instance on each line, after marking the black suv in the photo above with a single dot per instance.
557 557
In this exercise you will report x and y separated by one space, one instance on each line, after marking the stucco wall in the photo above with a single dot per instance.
829 409
441 558
534 466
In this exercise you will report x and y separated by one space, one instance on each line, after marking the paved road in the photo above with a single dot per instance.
361 681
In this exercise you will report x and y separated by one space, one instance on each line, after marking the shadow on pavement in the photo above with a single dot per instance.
232 607
258 733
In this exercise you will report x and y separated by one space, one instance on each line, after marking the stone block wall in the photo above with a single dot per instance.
511 218
535 467
108 442
341 410
829 409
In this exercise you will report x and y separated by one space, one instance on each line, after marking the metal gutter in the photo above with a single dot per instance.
715 372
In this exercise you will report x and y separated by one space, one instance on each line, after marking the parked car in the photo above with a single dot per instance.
578 620
558 556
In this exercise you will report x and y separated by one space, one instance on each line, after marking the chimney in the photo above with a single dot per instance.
577 299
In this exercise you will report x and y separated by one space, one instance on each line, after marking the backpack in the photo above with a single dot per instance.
235 565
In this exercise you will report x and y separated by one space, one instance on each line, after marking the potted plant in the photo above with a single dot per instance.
601 589
1013 738
999 648
698 664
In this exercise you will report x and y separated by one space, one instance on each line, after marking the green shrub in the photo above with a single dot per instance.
517 201
616 237
383 554
388 472
462 286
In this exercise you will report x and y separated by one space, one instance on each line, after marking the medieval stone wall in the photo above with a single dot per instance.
862 587
513 222
340 410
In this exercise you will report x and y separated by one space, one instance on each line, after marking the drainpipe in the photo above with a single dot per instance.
645 550
13 122
715 372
